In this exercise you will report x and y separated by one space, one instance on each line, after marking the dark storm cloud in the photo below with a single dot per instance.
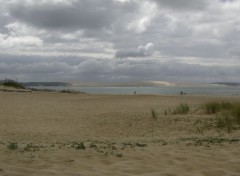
97 70
141 51
80 14
183 4
72 15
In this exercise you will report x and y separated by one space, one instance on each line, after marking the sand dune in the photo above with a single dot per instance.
80 134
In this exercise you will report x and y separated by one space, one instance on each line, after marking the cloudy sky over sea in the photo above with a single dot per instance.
120 40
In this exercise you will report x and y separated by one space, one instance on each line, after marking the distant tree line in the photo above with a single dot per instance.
12 83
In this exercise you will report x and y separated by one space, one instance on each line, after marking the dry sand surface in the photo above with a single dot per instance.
44 133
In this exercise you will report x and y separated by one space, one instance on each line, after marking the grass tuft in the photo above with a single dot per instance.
215 107
78 146
181 109
236 113
225 121
154 114
12 146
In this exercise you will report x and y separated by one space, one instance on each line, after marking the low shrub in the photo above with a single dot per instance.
181 109
225 121
13 84
215 107
12 146
236 113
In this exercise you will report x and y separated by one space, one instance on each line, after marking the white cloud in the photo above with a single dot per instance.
147 12
19 42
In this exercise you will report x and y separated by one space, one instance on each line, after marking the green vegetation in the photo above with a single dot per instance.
225 121
214 107
181 109
210 140
78 146
235 112
12 146
11 83
140 145
154 114
154 119
227 114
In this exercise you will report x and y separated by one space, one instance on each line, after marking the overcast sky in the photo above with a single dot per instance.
120 40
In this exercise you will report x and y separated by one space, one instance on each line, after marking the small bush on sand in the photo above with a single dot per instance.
12 146
181 109
154 119
78 146
236 113
13 84
211 107
225 121
214 107
154 114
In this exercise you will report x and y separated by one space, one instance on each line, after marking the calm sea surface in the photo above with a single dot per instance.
211 90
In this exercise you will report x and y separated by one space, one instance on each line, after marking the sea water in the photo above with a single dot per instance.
173 90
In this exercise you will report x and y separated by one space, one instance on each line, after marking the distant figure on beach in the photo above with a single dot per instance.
135 92
183 93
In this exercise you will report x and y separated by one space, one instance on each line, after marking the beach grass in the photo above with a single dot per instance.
181 109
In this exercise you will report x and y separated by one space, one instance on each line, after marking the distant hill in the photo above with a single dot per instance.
29 84
227 83
126 84
12 84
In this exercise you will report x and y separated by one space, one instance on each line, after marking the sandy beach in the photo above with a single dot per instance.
51 133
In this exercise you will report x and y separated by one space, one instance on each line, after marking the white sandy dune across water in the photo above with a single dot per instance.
79 134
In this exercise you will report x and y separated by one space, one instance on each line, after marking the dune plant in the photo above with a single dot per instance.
236 113
13 84
181 109
12 146
78 146
154 114
215 107
211 107
154 119
225 121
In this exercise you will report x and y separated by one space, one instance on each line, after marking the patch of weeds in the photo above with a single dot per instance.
92 145
12 146
236 113
210 140
34 147
154 117
225 121
200 130
119 155
154 114
14 84
160 142
181 109
106 148
226 105
211 107
78 146
202 125
140 145
214 107
128 145
234 140
165 112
